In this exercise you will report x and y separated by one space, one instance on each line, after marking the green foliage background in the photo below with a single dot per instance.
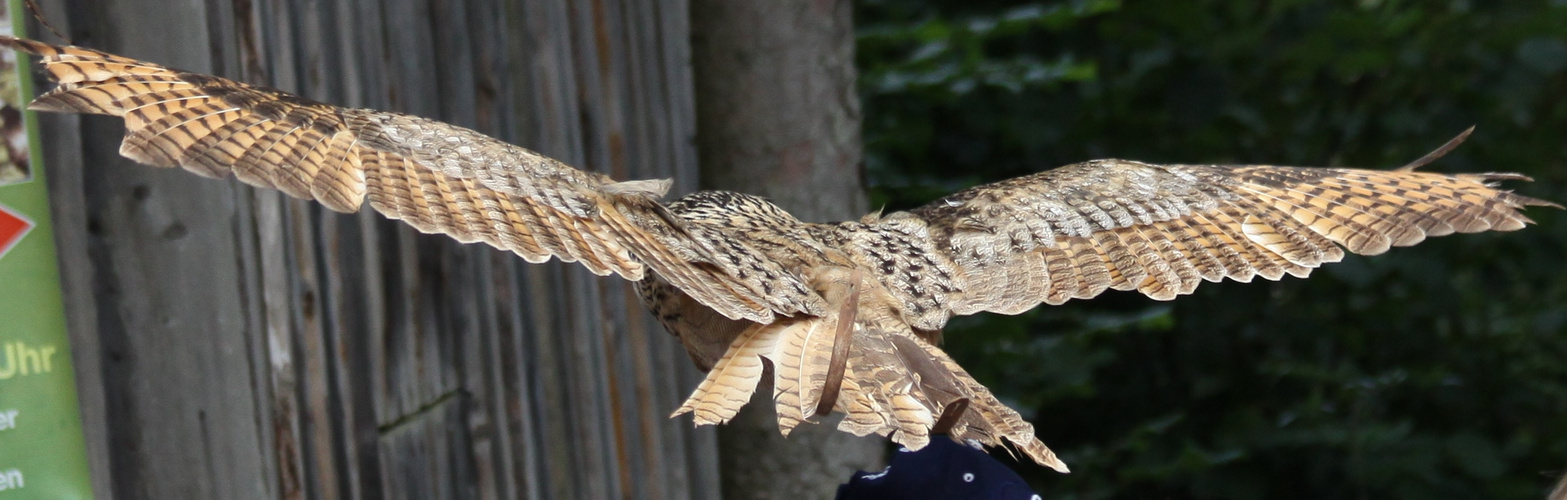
1438 371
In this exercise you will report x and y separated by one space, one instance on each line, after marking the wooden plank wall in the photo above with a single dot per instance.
233 343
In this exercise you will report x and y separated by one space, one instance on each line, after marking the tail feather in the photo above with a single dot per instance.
895 384
733 379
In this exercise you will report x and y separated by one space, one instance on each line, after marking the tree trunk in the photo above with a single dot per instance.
778 116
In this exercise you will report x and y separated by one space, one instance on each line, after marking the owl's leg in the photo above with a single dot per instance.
840 345
951 415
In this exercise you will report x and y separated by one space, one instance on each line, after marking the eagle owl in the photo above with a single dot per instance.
844 316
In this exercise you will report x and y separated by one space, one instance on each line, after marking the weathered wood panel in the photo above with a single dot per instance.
234 343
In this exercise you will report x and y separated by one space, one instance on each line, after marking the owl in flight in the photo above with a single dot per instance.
843 316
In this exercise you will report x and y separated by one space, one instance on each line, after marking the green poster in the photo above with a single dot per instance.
42 453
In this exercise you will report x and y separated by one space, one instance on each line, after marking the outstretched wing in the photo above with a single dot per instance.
1073 232
438 177
1067 233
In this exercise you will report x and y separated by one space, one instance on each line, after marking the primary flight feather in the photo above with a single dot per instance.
844 316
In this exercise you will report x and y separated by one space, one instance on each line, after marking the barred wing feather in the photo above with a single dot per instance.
437 177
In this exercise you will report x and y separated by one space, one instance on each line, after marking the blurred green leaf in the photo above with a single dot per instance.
1438 371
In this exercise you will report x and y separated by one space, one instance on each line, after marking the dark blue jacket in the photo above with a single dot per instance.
942 469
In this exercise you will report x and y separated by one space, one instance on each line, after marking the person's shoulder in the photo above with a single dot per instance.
943 469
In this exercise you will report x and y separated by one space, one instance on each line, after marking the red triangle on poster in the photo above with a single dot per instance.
12 227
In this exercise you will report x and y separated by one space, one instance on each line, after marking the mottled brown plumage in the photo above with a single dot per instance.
753 292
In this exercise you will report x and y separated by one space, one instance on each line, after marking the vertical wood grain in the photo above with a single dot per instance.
240 344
